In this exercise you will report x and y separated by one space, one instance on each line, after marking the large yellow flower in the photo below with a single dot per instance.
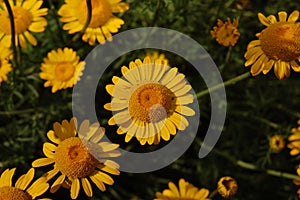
28 17
185 191
21 190
278 45
5 66
102 24
149 101
73 156
61 69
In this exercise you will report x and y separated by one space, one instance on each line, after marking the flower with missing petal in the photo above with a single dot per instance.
226 34
184 191
61 69
149 101
28 17
22 190
227 186
79 158
74 14
277 46
277 143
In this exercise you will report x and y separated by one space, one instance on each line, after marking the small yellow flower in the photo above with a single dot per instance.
72 156
227 33
297 182
149 101
28 17
61 69
294 140
184 191
227 186
155 55
21 190
277 143
278 45
5 66
74 14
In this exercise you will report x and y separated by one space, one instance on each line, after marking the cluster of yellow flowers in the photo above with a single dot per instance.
150 102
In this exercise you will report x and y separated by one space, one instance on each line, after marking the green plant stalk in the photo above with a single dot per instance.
221 85
54 12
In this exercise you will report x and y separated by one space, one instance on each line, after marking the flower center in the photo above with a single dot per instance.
12 193
73 159
64 71
22 19
151 102
101 12
281 41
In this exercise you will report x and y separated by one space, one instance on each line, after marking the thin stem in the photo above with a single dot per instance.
16 112
54 13
155 17
227 59
221 85
87 22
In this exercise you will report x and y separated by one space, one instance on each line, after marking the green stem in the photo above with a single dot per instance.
221 85
54 14
16 112
227 59
155 17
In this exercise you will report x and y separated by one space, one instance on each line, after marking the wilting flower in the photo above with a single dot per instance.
5 66
28 17
227 33
294 140
277 143
278 45
149 101
22 190
74 14
227 186
184 191
61 69
73 157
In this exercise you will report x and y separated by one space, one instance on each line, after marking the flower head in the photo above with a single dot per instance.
5 66
184 191
155 55
278 45
297 182
227 186
28 17
73 156
22 190
61 69
277 143
102 23
227 33
294 140
149 101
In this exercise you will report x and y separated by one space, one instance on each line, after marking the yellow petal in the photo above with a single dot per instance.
75 187
48 149
57 183
282 16
42 162
293 16
6 177
98 182
24 180
263 19
39 187
52 137
87 187
184 110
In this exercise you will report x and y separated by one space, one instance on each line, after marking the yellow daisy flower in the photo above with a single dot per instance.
227 186
277 143
28 17
294 140
227 33
5 66
149 101
184 191
278 45
155 55
21 190
102 23
72 156
61 69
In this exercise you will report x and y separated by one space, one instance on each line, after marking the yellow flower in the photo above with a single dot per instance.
294 140
72 156
278 45
227 33
21 190
149 101
227 186
277 143
5 66
154 55
28 17
61 69
297 182
102 24
185 191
